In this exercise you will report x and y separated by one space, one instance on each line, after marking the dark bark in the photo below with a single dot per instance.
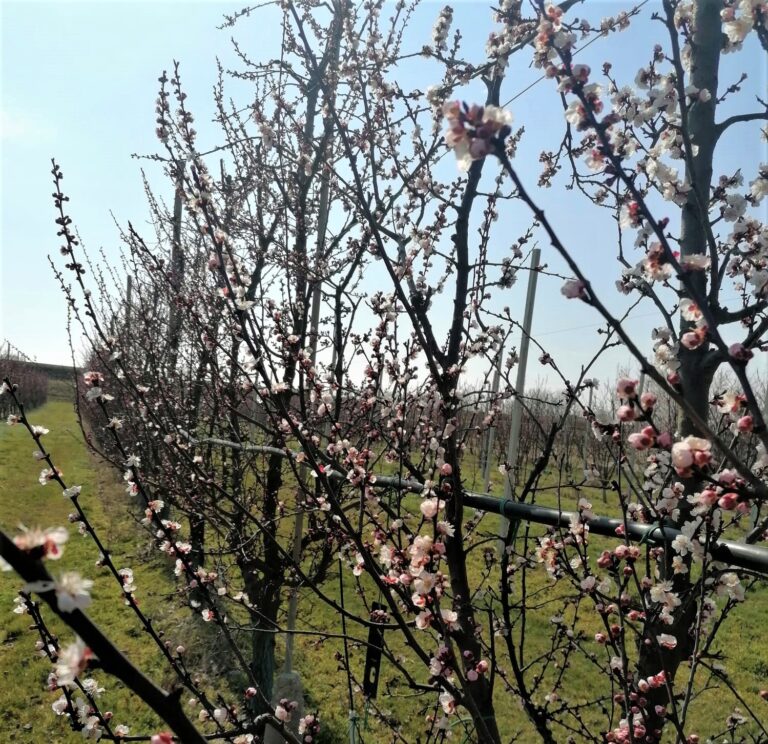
697 367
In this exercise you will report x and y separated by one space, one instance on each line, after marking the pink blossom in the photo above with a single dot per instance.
690 452
728 501
626 413
694 338
165 737
666 641
648 401
626 388
664 440
690 311
430 507
740 353
574 289
708 497
642 440
448 702
605 559
745 424
451 619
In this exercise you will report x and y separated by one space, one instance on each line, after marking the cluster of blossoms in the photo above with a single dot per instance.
126 576
726 493
442 28
689 453
732 406
500 44
581 110
665 353
94 382
633 403
309 728
634 728
84 715
696 335
284 709
741 17
551 36
474 131
749 239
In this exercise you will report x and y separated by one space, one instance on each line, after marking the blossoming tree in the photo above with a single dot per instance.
315 394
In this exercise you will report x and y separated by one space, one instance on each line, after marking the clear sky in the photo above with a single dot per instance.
79 82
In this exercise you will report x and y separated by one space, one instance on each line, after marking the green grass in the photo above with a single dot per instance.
25 714
744 654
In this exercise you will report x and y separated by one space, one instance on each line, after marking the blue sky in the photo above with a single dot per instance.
79 82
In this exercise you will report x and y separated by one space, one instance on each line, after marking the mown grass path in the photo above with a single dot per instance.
25 703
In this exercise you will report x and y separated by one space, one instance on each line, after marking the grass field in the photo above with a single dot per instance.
25 704
25 712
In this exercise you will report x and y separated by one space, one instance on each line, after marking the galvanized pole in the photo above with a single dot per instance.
641 385
288 683
177 271
517 405
314 327
754 514
490 438
585 445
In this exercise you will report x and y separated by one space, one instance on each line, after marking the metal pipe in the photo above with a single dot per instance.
742 555
733 553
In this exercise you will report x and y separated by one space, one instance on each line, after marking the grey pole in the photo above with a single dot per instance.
517 406
288 683
314 326
585 444
754 514
128 304
177 271
641 385
490 438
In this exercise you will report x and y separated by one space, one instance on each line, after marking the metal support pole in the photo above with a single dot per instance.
641 385
490 438
177 271
517 406
754 514
314 327
585 444
288 679
353 727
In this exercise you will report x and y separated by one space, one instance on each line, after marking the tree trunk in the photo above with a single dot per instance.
696 366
